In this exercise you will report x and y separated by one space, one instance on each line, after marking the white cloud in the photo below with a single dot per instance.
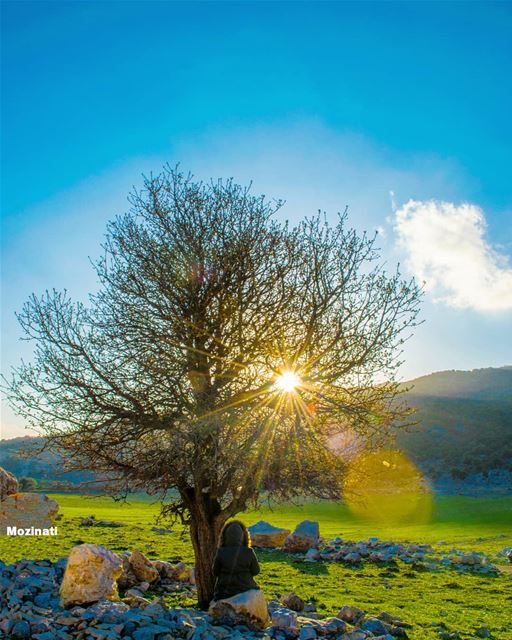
446 247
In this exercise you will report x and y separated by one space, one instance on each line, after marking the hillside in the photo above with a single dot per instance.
465 429
20 457
465 422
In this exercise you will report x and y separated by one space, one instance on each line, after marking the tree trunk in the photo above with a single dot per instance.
205 528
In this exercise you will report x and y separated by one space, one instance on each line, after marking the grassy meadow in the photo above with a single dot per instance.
459 602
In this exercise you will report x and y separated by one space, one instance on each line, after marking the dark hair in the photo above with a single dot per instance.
246 541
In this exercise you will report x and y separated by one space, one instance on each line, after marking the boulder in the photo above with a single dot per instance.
376 626
90 575
285 619
265 535
8 483
142 567
176 572
249 608
350 614
127 578
27 510
181 572
305 537
165 569
293 601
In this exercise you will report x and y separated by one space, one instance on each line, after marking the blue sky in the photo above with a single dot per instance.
322 104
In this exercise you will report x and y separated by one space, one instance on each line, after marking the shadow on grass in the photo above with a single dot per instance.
310 568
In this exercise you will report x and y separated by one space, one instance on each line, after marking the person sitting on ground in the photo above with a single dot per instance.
235 562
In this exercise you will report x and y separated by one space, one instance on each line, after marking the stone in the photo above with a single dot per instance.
27 510
43 599
161 530
45 635
350 614
127 578
8 483
331 626
265 535
376 626
165 569
305 536
249 607
181 572
149 632
284 618
90 521
142 567
312 555
352 558
21 630
307 633
90 575
293 601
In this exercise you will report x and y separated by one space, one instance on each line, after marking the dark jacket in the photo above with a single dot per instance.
235 565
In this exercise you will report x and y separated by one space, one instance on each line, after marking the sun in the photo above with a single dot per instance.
288 381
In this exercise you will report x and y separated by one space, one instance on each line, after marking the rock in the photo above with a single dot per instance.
134 598
352 558
376 626
91 574
26 510
350 614
150 632
8 483
43 599
165 569
21 630
331 626
284 618
265 535
91 521
161 530
354 635
181 572
307 633
305 536
312 555
249 607
293 601
388 618
127 578
142 567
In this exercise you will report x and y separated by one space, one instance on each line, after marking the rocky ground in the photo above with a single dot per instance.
31 605
32 610
419 556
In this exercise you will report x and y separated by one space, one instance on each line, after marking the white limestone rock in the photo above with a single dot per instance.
91 574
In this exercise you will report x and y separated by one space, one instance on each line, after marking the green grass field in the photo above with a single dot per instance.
462 602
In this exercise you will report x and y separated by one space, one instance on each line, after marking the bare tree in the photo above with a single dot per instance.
221 354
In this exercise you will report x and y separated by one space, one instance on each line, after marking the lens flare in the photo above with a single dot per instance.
287 381
386 487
